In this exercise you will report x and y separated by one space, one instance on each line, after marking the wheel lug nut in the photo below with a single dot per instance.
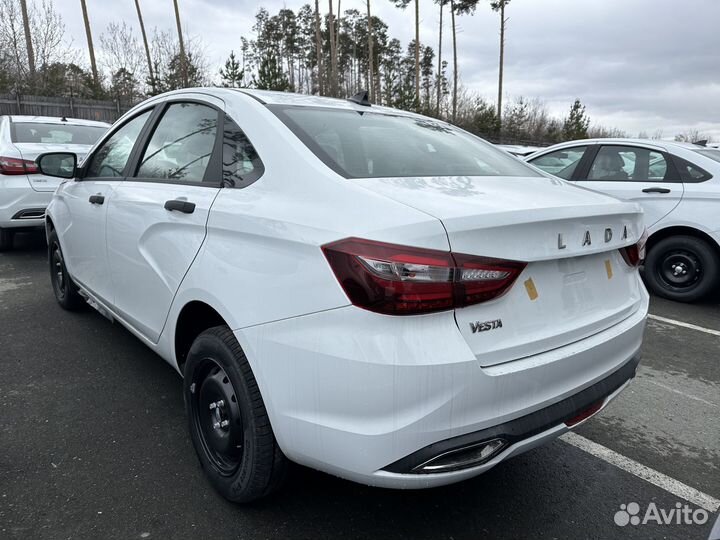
216 425
224 423
216 404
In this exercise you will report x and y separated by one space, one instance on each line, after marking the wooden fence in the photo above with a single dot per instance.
88 109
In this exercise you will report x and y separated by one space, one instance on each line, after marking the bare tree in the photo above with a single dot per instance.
333 52
318 47
439 69
371 75
692 136
28 37
91 48
402 4
183 57
455 62
121 50
151 76
499 6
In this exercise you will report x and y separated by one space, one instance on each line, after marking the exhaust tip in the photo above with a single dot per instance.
462 458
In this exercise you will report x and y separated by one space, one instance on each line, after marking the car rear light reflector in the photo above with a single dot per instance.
10 166
401 280
584 415
634 255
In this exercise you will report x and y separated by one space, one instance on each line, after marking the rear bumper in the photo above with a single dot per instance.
363 396
20 205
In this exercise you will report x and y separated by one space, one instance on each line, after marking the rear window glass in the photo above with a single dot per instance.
35 132
712 154
375 145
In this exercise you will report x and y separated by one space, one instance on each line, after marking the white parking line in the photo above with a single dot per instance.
677 488
684 324
683 394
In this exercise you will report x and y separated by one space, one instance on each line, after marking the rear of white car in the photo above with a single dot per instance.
408 306
24 192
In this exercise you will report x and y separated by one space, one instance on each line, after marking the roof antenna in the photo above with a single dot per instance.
63 119
701 143
361 98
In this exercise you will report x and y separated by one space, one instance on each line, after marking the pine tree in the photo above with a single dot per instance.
270 75
232 75
577 123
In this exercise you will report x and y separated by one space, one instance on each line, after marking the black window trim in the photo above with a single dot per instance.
677 163
255 174
583 170
82 171
214 169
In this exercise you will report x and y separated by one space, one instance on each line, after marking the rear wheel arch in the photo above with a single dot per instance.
681 230
195 317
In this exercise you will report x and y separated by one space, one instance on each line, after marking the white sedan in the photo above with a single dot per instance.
678 186
24 192
362 290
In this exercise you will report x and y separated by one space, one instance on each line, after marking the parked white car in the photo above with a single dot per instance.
24 192
678 186
365 291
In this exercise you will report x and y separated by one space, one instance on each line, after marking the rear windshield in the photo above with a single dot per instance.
712 154
35 132
375 145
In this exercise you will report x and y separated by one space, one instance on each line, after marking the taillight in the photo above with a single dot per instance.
634 255
401 280
10 165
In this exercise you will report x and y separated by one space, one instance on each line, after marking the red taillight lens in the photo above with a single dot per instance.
10 165
401 280
634 255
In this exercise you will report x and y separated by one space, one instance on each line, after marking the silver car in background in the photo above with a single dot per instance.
24 192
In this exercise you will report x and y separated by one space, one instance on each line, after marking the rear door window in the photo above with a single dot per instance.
630 164
182 144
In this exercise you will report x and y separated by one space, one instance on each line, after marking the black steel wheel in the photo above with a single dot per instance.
66 292
217 417
682 268
229 425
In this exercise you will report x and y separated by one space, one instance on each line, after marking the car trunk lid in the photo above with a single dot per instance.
575 284
29 151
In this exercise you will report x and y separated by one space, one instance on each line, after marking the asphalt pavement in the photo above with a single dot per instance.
94 444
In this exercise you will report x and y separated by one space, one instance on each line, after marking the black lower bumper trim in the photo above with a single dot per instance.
526 426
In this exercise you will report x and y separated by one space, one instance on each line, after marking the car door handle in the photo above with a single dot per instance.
656 190
96 199
181 206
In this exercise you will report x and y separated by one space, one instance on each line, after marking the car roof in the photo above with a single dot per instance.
270 97
655 143
16 118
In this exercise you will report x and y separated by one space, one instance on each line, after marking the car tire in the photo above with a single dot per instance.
6 239
229 425
65 289
682 268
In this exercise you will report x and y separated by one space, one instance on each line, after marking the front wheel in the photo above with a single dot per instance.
229 424
682 268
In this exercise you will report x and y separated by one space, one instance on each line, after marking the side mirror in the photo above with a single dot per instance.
58 164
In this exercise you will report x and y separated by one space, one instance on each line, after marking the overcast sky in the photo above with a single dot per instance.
636 64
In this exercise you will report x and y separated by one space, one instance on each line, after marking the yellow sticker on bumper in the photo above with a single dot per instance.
530 288
608 268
